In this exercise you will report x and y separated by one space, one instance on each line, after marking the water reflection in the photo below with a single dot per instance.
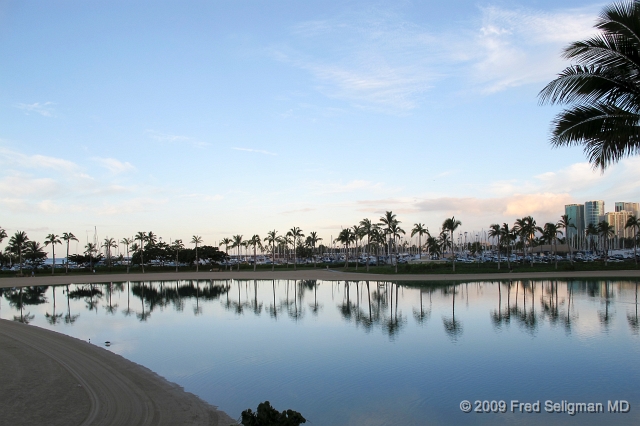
365 304
275 337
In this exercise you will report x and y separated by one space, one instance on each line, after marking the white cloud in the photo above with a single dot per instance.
113 165
257 151
169 138
11 159
43 109
522 46
375 59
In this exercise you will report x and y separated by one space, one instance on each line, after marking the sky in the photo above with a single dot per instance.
217 118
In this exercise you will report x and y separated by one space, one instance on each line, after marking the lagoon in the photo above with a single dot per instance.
366 353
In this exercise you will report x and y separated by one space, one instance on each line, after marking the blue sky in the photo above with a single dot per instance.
219 118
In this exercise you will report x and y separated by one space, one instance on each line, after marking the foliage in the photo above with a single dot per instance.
603 87
266 415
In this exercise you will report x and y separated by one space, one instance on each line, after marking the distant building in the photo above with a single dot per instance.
593 212
619 219
633 208
575 212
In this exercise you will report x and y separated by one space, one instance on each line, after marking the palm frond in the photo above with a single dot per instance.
607 133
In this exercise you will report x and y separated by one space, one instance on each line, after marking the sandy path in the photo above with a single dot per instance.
49 378
307 274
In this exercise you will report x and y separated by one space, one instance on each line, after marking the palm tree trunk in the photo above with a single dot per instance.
635 244
453 256
53 265
67 262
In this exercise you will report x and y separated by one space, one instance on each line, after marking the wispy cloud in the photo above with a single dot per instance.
170 138
514 47
13 158
257 151
113 165
43 109
379 60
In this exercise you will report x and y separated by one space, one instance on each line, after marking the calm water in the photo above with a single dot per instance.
352 353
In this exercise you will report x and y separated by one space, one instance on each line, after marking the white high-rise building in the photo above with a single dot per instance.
618 220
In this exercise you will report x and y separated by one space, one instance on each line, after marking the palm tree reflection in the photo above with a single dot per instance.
633 319
452 327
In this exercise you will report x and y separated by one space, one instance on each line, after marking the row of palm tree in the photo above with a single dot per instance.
381 237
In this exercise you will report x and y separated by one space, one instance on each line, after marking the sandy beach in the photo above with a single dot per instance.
53 379
50 378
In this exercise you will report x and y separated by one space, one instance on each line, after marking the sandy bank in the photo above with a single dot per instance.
307 274
53 379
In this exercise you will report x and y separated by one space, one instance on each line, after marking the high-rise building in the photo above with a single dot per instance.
633 208
575 212
593 212
618 220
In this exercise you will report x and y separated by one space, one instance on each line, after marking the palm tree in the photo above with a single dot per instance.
255 242
127 242
3 234
313 240
346 237
367 230
450 225
142 237
108 244
89 250
357 235
433 246
494 232
603 87
632 222
378 239
526 228
17 243
507 235
418 228
237 243
295 233
550 233
226 242
272 239
606 231
196 239
591 231
152 239
53 240
388 220
68 237
34 252
565 223
394 233
177 246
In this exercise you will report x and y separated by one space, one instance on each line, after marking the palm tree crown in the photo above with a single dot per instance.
603 88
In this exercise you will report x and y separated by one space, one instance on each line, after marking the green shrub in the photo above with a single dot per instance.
266 415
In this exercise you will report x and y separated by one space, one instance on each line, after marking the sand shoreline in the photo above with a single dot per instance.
306 274
51 378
